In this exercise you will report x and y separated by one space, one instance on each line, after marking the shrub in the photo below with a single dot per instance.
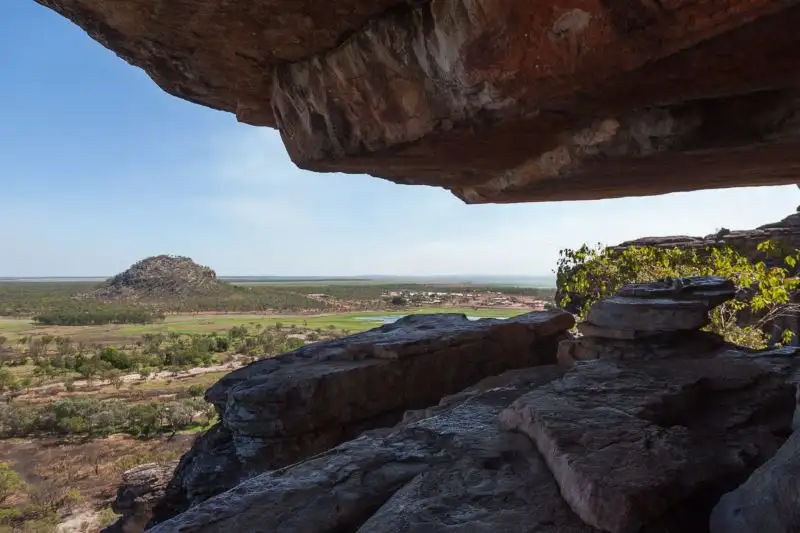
195 391
106 517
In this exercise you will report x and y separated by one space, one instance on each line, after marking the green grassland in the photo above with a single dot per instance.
14 328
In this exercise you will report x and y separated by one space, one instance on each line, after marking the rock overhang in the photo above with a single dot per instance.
495 100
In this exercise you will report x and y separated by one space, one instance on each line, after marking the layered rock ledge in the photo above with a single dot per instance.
494 100
630 443
279 411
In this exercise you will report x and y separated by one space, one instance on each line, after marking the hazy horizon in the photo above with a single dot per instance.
469 278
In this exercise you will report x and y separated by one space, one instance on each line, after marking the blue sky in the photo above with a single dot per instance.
99 168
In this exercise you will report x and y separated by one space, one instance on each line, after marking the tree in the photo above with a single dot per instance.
114 377
10 482
399 301
178 415
588 274
7 380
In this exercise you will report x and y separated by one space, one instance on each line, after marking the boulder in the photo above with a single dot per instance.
626 441
452 468
648 315
141 488
769 501
655 320
278 411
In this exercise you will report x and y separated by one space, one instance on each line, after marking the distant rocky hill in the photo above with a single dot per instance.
161 277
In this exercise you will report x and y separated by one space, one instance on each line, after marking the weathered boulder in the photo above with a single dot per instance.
494 100
141 488
452 468
628 440
655 320
649 315
769 501
278 411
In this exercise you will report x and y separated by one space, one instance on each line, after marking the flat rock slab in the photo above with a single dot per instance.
674 345
591 330
710 289
627 441
278 411
648 314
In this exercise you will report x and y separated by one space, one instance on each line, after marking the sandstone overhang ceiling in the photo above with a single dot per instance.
495 100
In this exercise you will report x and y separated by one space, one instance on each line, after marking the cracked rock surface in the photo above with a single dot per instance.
679 431
278 411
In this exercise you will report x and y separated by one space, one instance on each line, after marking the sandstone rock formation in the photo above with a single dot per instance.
654 320
613 444
684 431
495 100
278 411
142 487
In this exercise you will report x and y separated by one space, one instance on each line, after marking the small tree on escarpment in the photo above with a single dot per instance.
588 274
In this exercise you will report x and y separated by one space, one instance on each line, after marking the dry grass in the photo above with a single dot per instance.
76 477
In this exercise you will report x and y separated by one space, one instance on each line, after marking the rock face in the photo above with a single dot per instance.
161 276
683 431
770 499
628 440
495 100
278 411
141 488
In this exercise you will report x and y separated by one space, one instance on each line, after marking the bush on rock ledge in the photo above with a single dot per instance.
589 274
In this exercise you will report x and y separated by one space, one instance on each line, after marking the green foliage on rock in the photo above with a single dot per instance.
588 274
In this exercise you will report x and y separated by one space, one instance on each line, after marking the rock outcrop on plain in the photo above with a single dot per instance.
494 100
279 411
160 277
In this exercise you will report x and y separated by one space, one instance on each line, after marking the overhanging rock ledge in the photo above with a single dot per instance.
495 100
